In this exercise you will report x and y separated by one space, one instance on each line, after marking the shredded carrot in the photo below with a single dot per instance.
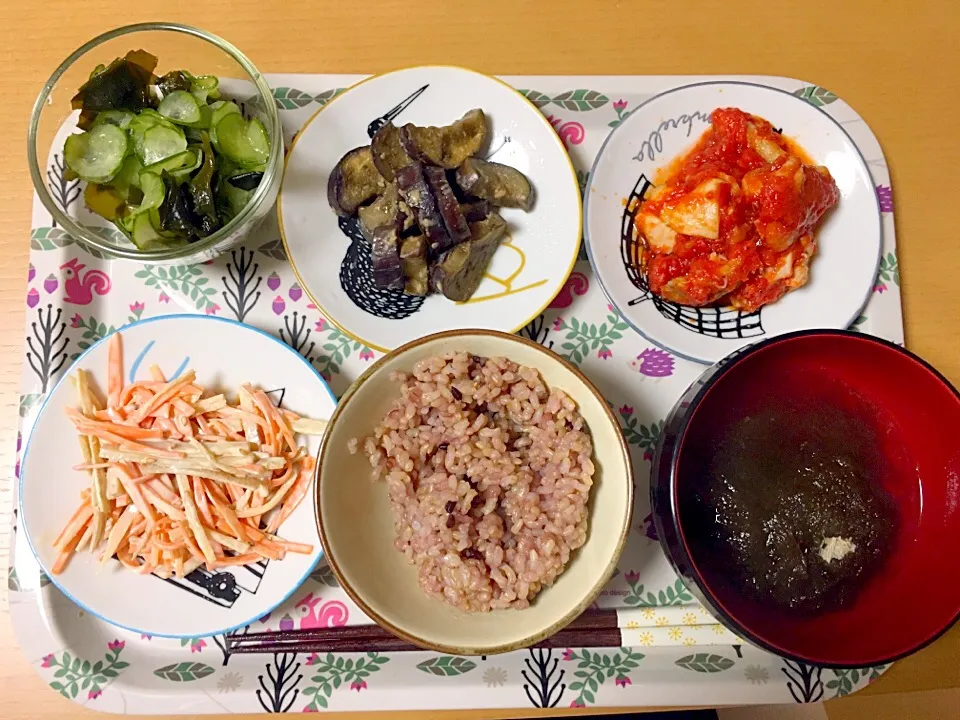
181 479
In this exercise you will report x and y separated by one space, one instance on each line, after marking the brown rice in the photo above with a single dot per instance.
489 472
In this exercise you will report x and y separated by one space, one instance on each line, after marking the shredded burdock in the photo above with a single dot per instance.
179 478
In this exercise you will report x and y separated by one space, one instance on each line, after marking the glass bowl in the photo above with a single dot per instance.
176 47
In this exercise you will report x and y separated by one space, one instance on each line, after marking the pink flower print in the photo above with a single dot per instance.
568 654
577 704
51 283
310 708
632 577
116 645
358 685
654 363
626 410
604 354
558 324
295 292
164 298
880 288
94 694
622 681
31 273
197 645
144 636
619 105
273 281
311 306
19 441
648 455
76 321
137 308
265 617
279 305
321 324
213 309
313 659
610 307
33 297
286 622
47 661
366 354
885 197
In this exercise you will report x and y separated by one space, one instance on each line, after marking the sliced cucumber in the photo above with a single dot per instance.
96 155
120 118
180 107
160 142
183 173
144 235
246 143
220 111
154 191
205 87
187 158
128 177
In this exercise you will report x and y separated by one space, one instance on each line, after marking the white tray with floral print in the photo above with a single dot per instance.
677 654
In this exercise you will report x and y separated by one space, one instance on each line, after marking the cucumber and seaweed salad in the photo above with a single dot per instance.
166 159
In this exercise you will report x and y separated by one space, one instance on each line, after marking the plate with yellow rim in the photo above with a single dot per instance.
332 259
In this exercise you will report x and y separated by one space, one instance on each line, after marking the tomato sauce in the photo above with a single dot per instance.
733 220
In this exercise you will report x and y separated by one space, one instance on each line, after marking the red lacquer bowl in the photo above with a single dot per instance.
915 594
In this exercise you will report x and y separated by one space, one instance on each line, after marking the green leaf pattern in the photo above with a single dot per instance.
677 594
333 671
337 347
582 338
593 669
187 280
293 99
815 95
446 665
43 239
183 672
845 681
705 663
73 675
643 436
274 249
889 269
93 331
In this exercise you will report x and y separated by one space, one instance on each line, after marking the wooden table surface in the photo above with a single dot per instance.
889 60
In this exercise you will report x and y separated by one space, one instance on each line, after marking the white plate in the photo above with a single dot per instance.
224 355
842 272
525 273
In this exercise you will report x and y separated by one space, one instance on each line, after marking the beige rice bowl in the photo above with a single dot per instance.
536 468
489 473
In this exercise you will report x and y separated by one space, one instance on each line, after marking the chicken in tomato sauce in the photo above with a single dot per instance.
733 221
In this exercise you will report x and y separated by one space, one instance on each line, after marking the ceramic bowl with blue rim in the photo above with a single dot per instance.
224 354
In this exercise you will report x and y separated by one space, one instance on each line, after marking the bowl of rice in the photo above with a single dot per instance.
474 492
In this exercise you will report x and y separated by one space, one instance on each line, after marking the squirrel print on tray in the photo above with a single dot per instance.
79 285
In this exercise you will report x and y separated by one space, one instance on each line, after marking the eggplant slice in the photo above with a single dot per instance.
354 181
388 154
387 269
416 193
453 218
413 257
447 146
383 211
500 185
459 273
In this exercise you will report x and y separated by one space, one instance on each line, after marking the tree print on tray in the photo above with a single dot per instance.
677 594
187 280
47 345
334 671
543 678
803 681
241 283
336 347
63 191
278 691
583 339
594 669
74 675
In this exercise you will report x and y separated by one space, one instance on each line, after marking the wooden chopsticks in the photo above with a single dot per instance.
595 628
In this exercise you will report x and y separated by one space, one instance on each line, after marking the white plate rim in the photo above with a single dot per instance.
589 187
23 464
378 76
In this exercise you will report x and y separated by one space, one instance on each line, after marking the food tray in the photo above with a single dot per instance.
678 654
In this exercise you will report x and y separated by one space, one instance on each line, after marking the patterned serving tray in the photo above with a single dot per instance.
676 655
